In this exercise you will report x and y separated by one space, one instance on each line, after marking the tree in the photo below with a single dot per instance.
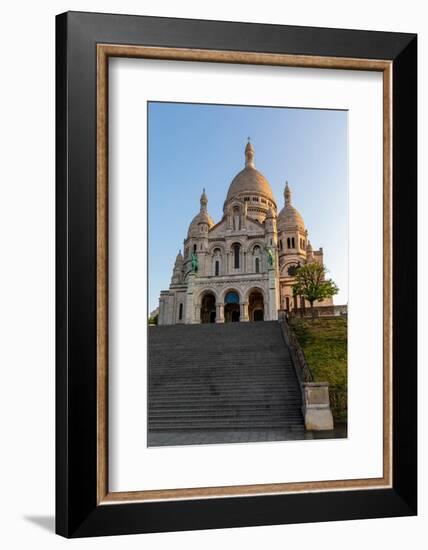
311 284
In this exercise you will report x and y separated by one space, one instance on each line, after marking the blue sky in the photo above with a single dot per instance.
193 146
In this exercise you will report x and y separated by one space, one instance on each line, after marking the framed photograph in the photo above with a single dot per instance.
236 274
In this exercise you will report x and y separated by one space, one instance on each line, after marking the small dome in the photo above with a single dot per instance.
202 217
289 218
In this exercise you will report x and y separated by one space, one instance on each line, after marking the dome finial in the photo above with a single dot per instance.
287 194
249 154
204 200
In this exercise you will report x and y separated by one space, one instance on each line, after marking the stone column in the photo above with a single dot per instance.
220 313
244 311
189 317
272 308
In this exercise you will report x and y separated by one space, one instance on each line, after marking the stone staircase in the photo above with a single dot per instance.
234 376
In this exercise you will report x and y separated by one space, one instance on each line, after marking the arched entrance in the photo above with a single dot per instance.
231 307
208 308
256 306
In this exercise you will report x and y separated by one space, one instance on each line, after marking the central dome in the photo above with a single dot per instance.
249 180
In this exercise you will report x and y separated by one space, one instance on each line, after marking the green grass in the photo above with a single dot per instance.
324 343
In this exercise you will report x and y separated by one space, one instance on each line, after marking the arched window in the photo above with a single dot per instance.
280 244
180 312
231 298
236 250
236 218
257 265
293 243
287 303
216 261
194 249
288 242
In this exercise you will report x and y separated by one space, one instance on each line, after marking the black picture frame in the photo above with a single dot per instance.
77 511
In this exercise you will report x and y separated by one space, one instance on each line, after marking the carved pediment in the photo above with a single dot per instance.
219 229
254 225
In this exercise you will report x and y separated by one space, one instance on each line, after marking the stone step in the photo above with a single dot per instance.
233 425
168 411
213 405
224 398
265 363
228 421
247 417
224 367
227 361
230 374
213 401
208 385
214 398
226 384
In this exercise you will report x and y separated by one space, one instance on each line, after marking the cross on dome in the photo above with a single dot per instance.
249 154
204 200
287 194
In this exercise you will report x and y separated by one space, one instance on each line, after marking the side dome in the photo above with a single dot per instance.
289 218
203 218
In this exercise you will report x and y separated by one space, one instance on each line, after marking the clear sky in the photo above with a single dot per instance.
193 146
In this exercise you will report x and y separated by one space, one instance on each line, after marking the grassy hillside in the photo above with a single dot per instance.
324 343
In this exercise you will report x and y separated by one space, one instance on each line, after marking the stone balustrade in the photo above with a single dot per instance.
315 395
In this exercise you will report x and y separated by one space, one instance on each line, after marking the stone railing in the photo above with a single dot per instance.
301 367
319 311
315 395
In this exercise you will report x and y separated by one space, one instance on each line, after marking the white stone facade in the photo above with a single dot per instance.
241 268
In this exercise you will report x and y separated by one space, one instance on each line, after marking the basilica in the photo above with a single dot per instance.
242 267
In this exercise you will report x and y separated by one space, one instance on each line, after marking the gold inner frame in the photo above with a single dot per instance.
104 51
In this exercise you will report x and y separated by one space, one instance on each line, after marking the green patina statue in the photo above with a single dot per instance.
271 257
195 263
